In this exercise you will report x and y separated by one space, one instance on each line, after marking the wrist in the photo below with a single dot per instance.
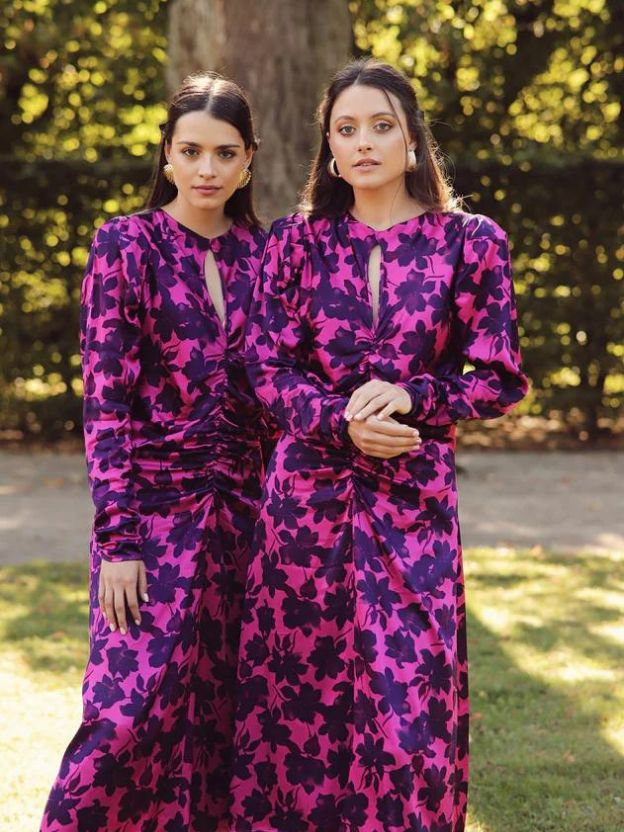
407 401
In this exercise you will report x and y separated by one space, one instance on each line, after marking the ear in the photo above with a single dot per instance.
167 149
249 154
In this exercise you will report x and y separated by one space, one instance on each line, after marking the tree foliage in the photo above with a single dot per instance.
82 79
523 97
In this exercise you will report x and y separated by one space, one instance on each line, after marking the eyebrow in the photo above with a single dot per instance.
375 115
195 144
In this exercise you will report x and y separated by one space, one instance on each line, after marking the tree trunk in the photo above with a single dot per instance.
282 53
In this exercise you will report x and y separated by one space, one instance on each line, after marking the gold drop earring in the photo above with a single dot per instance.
245 178
168 173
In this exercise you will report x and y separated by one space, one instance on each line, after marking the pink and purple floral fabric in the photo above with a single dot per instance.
173 436
353 701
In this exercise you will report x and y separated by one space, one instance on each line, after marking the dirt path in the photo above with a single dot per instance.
556 500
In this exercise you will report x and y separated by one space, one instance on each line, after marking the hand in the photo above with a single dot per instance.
383 439
118 586
379 397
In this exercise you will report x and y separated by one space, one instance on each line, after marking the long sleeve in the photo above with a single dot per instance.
486 336
109 343
275 344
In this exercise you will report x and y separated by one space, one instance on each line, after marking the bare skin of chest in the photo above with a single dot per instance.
215 286
374 272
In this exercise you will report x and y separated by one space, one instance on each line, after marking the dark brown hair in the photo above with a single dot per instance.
223 99
327 196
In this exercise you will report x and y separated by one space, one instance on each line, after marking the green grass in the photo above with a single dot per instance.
546 636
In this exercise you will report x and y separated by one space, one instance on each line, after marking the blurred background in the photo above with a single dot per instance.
524 98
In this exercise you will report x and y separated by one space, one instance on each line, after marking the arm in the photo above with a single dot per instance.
486 336
109 344
273 348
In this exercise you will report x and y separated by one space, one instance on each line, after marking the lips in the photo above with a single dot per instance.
366 163
207 189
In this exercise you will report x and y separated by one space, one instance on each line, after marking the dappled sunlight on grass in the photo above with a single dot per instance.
547 671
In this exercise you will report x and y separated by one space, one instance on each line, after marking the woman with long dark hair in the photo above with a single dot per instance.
172 435
353 700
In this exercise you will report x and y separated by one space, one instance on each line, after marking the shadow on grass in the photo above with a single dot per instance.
44 615
541 760
563 592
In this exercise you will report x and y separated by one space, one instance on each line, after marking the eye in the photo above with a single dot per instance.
227 154
383 126
346 130
190 151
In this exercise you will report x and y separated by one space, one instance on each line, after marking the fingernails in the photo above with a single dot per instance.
348 416
113 628
137 620
145 596
123 631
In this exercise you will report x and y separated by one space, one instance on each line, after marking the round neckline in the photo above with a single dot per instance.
186 230
397 225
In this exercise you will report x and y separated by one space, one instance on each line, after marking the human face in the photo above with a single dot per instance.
367 139
207 156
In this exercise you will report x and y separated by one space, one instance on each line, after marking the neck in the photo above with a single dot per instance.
382 207
208 223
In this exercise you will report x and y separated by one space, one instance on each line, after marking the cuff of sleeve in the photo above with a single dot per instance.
338 425
119 550
418 391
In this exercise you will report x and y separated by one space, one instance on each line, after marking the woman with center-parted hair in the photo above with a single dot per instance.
172 433
353 701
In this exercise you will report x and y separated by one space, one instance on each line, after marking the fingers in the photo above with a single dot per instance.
121 585
380 397
109 607
374 404
390 408
390 427
143 582
384 439
383 453
132 600
120 608
360 398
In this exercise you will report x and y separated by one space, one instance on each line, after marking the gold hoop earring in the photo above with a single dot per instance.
168 172
245 178
332 169
412 164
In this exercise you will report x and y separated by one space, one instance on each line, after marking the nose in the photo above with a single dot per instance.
364 142
206 169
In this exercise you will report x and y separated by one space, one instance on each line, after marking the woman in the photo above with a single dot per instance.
353 700
173 451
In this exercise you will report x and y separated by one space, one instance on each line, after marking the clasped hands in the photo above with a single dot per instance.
371 426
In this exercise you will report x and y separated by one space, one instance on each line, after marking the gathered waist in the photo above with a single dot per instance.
195 444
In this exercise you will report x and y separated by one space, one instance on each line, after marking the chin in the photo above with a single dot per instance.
368 182
199 201
375 180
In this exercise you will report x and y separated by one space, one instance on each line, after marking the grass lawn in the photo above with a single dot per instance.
547 687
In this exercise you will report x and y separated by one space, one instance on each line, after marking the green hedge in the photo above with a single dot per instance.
563 223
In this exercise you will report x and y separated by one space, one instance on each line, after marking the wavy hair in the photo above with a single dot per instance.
327 196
